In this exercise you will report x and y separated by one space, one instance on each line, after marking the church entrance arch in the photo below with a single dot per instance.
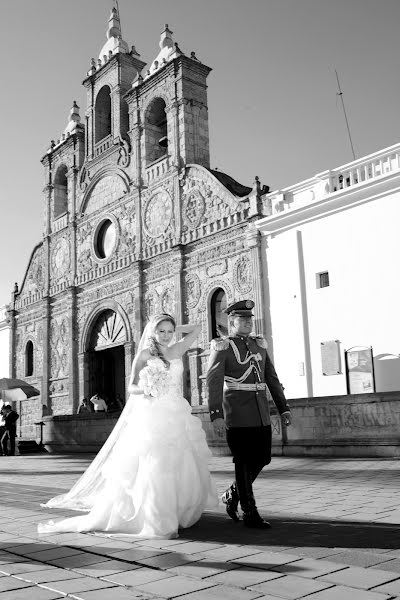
105 357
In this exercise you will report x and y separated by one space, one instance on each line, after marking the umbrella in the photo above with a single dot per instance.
16 389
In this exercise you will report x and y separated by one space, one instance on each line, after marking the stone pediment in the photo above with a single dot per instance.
35 275
107 187
206 200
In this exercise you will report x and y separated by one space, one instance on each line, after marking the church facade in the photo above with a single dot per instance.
135 222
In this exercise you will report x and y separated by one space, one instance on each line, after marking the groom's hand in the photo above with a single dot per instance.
219 427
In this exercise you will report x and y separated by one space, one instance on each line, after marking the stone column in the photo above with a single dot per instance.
253 243
46 353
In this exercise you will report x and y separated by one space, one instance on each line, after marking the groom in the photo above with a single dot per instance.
241 378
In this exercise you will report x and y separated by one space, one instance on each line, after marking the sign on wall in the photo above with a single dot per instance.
330 357
360 370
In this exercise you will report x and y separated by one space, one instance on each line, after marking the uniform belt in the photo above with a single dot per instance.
249 387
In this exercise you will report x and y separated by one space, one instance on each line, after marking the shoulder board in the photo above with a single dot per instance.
220 344
261 342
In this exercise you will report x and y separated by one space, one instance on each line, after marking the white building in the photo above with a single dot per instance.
331 252
4 342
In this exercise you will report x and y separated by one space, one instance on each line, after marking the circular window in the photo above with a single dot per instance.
105 239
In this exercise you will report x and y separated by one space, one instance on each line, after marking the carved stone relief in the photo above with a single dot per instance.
127 222
242 274
193 291
84 235
158 214
35 279
60 259
59 347
217 268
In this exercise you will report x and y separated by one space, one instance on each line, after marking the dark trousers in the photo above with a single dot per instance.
251 451
8 436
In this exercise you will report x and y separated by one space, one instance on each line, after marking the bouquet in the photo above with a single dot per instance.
153 378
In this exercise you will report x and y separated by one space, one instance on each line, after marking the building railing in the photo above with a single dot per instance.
358 173
103 145
60 223
157 169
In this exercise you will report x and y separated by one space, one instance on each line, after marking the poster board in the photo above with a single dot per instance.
360 370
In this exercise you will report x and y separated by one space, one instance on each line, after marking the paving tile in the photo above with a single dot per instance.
55 552
360 578
137 576
314 552
307 567
22 567
340 592
114 593
168 560
53 574
221 592
77 560
104 568
195 547
230 552
389 588
291 587
243 577
266 560
136 554
79 584
174 586
10 583
203 568
34 593
390 565
358 559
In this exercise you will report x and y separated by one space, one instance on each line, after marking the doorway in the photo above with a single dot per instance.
107 373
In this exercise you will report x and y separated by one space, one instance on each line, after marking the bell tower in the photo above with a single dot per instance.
169 113
107 81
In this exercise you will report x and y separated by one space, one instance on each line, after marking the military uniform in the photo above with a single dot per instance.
241 380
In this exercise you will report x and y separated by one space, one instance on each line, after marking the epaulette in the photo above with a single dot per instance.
219 344
261 342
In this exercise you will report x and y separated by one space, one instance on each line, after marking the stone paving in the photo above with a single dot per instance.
335 536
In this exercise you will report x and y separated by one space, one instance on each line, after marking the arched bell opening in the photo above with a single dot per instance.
156 132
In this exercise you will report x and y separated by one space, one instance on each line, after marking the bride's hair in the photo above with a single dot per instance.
154 346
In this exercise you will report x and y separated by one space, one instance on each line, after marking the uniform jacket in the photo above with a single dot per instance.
244 360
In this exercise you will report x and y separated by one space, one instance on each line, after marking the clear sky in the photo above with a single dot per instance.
273 108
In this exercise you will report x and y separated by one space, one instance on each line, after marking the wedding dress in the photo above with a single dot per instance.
151 477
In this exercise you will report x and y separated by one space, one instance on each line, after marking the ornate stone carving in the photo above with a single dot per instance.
192 290
127 223
124 155
83 237
60 259
35 279
194 207
157 214
167 301
218 268
242 274
59 347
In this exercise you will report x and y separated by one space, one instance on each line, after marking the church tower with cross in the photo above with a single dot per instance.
135 222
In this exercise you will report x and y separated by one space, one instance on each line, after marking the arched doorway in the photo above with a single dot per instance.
106 357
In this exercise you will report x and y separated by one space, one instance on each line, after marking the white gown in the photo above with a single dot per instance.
151 477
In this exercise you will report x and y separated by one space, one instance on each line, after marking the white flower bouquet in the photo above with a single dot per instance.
153 378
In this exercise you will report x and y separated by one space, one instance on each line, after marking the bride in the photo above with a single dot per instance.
151 476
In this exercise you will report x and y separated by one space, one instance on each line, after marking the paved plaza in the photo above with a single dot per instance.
335 535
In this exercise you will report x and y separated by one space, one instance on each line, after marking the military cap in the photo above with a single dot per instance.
240 309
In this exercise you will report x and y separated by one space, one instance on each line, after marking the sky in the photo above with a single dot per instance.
272 96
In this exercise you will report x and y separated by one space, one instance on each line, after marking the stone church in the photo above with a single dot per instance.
135 222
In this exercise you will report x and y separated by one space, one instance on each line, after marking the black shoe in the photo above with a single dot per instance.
254 520
231 500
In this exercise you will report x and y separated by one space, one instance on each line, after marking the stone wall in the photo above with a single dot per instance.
77 433
364 425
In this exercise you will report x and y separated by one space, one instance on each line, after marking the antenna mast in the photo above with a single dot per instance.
340 93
